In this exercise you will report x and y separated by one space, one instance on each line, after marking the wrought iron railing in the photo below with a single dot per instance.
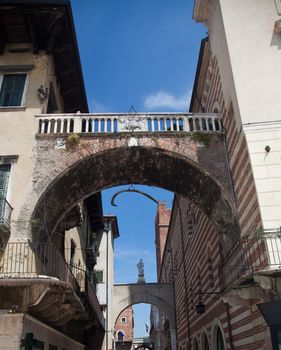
251 254
28 260
139 122
5 213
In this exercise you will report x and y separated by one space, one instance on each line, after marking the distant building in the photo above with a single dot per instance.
124 329
104 273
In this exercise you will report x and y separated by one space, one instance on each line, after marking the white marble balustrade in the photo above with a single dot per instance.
139 122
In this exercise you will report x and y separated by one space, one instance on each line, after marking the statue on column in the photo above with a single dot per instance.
140 266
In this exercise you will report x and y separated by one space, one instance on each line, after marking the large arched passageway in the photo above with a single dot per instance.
125 165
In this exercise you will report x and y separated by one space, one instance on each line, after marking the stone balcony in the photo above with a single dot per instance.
120 123
56 293
252 268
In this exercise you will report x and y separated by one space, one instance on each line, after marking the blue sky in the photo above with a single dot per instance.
142 53
137 52
136 215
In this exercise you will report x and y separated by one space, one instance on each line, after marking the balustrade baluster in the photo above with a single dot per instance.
88 125
200 124
207 124
49 126
158 124
77 127
213 123
152 124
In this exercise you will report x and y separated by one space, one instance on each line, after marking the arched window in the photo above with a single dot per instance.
205 343
195 345
120 336
219 340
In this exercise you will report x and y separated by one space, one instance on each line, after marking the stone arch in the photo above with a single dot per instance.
204 340
158 294
195 344
215 327
75 174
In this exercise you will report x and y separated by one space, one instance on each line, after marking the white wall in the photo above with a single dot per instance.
18 126
266 169
255 56
106 245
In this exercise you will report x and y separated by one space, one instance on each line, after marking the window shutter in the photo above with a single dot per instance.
12 89
4 179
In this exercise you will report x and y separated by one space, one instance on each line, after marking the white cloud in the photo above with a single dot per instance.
97 107
162 99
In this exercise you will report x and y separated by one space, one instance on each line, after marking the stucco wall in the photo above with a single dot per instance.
18 126
267 169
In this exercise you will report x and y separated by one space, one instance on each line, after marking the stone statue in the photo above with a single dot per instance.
140 266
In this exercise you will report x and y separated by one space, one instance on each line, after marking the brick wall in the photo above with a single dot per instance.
125 324
192 254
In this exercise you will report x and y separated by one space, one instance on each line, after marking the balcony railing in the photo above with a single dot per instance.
139 122
27 260
5 214
251 254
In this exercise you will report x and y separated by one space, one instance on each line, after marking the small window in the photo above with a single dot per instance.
99 276
123 319
205 343
12 88
4 179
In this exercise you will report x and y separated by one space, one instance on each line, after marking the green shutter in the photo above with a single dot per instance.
4 181
12 89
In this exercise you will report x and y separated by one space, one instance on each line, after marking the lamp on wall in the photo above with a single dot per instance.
42 93
201 307
277 26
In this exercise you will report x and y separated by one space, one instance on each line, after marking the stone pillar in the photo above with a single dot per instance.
173 338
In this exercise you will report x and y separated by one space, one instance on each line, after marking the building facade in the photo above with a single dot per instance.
124 329
104 272
230 299
47 297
